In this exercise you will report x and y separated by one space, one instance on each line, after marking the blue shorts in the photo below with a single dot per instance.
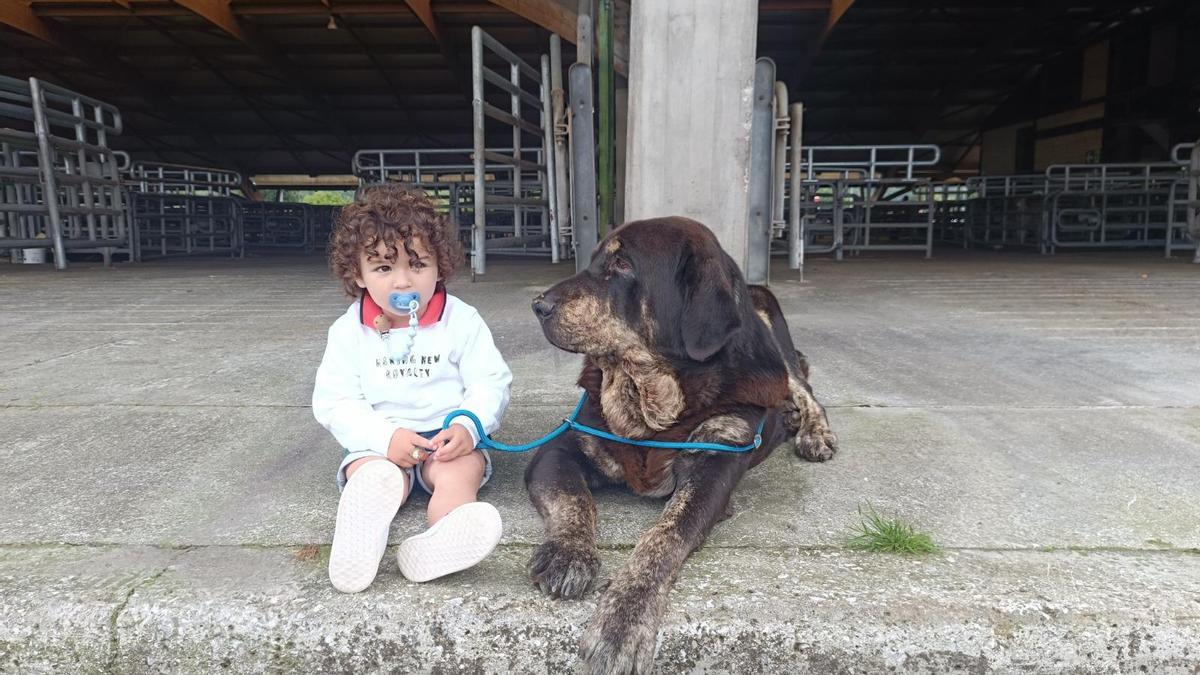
414 477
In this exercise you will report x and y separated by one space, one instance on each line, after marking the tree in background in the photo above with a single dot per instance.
329 197
315 197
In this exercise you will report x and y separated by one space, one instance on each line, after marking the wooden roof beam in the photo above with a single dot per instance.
401 105
532 10
837 9
20 15
556 18
218 13
237 91
548 14
424 12
25 20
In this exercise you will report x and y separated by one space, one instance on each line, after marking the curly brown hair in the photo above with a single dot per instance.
391 215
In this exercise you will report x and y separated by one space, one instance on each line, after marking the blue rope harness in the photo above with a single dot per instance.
570 423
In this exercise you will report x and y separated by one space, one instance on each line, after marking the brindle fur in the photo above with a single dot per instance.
813 439
677 347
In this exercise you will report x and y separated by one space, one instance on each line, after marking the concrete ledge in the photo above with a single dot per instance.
259 609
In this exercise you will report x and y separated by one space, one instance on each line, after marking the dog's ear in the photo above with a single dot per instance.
710 315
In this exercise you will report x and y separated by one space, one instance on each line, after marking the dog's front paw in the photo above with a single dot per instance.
564 569
817 444
622 635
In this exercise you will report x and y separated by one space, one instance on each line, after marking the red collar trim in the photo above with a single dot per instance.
368 310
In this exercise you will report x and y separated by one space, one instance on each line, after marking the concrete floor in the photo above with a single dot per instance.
1038 416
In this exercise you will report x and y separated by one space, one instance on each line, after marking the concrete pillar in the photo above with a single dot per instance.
690 85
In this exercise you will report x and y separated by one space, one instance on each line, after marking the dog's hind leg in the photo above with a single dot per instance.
804 416
621 636
566 563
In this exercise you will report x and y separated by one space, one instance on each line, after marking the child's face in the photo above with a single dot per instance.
382 277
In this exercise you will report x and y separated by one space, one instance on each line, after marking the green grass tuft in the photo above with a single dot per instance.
875 532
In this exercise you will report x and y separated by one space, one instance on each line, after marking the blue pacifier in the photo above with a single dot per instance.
403 302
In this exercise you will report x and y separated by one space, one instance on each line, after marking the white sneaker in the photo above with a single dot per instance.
368 504
459 540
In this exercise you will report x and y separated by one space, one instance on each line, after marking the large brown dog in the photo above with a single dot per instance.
678 348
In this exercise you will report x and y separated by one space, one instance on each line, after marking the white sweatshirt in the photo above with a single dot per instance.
362 395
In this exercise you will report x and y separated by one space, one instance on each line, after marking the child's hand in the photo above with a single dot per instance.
403 445
453 443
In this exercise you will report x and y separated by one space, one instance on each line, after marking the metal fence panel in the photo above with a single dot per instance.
181 210
858 198
514 198
60 184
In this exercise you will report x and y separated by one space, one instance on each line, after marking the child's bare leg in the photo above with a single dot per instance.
454 483
462 531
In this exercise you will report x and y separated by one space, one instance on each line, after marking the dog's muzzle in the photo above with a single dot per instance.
543 306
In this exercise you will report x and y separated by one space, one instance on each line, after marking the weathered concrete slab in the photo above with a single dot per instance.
264 609
1039 417
198 475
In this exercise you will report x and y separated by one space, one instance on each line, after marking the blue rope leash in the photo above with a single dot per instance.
570 423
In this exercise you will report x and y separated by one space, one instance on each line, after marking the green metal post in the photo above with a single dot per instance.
606 149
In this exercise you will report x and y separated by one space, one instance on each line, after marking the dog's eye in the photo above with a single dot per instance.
620 265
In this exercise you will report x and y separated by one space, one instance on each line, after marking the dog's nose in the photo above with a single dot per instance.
543 306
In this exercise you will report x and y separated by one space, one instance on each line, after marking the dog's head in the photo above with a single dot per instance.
662 285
